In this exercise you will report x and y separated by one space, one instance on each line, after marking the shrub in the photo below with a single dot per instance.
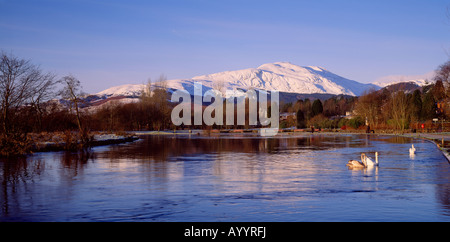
13 145
355 122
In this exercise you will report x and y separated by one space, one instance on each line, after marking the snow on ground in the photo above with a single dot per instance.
107 137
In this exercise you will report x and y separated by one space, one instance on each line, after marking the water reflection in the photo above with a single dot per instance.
20 176
195 178
161 148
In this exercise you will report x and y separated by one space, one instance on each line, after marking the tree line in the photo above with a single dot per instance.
34 101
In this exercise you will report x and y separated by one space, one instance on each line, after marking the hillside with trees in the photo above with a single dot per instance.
398 108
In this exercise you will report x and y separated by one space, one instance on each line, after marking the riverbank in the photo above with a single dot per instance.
71 141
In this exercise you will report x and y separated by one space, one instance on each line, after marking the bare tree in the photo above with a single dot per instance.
150 87
72 92
399 110
154 102
443 73
219 86
44 91
21 83
368 107
161 82
147 91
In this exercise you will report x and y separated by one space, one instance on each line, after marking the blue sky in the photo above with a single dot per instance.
108 42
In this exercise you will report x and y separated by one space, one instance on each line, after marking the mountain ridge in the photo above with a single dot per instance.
279 76
420 80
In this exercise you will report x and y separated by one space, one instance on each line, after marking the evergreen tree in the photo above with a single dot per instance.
428 106
416 105
317 107
300 119
438 90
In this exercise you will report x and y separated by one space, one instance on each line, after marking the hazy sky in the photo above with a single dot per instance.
106 43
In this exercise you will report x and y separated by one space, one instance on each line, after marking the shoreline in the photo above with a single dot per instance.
100 139
439 139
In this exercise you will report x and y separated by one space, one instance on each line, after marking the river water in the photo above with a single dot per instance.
230 178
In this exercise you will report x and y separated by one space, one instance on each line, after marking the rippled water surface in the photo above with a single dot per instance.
231 178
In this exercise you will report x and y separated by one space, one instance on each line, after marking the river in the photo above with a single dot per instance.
237 177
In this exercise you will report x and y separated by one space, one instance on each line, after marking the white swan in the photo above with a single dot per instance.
356 164
412 150
369 162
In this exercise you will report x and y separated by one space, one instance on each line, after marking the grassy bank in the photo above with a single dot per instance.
58 141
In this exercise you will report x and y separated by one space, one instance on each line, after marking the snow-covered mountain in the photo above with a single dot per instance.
279 76
128 90
420 80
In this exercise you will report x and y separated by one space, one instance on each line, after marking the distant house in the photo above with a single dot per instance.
285 116
349 115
